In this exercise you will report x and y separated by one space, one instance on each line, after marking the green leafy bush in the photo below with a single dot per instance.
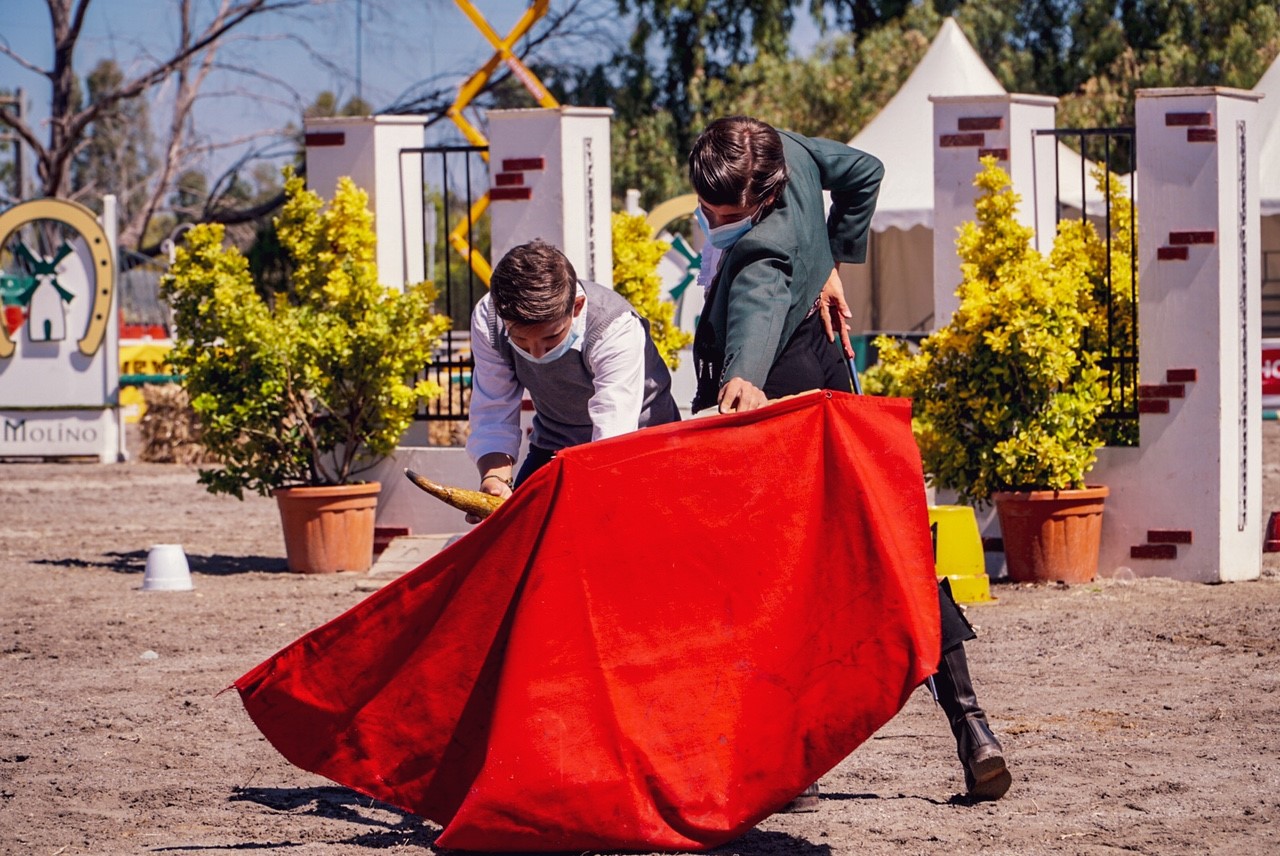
1007 396
314 383
636 254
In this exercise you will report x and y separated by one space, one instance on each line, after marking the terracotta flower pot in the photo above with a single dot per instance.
328 529
1051 535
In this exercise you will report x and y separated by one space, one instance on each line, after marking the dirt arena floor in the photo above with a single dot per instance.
1138 716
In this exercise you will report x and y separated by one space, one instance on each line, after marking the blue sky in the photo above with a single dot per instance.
404 41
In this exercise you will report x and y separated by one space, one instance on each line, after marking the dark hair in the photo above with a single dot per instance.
738 160
533 283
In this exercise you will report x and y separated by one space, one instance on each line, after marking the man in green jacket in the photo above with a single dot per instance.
773 248
765 330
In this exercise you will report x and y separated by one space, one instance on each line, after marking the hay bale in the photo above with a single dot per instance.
169 430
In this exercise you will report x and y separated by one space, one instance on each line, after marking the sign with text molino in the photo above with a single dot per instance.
59 365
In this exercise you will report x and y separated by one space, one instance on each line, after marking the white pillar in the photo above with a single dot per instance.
367 149
965 128
1189 506
110 220
550 179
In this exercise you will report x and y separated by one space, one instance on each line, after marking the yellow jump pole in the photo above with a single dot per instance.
503 53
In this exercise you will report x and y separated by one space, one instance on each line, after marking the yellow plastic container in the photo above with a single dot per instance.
957 549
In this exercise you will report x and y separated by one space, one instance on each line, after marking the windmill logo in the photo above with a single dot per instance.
39 291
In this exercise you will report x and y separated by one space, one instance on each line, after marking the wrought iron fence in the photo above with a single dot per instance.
1112 149
454 180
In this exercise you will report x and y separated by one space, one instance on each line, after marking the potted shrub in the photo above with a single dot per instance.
298 390
636 254
1007 396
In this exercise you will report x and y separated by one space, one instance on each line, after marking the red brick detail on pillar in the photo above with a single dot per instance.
1182 239
1180 120
504 194
957 141
384 535
1153 551
1172 254
980 123
523 164
508 179
1202 135
1161 390
1169 536
1153 405
998 154
317 139
1181 375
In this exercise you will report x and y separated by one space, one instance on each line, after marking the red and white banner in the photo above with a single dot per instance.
1271 373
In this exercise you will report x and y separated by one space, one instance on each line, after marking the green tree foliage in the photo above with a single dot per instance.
1169 43
693 60
636 254
845 81
311 384
700 40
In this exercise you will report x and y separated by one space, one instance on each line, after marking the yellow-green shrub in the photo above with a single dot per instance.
1008 394
315 383
635 276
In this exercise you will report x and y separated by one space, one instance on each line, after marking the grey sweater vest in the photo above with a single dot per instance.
561 390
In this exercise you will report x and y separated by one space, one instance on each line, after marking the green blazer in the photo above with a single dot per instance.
770 279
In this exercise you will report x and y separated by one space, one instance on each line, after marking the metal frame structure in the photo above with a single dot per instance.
1120 351
503 54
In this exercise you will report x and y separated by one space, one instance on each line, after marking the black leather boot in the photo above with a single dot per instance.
986 776
807 801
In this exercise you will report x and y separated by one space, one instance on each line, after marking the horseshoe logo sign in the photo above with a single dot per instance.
39 291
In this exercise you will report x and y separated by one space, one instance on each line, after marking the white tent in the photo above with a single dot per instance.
901 133
1269 144
894 290
1268 157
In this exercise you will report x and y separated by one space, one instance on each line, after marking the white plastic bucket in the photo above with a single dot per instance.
167 569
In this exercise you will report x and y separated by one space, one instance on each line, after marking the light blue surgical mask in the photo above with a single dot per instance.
552 355
725 236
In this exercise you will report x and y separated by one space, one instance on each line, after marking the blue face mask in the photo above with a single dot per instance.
725 236
552 355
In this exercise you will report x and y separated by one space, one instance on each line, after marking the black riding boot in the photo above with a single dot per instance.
985 774
807 801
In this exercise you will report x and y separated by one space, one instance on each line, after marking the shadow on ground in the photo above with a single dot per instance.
391 827
388 826
135 562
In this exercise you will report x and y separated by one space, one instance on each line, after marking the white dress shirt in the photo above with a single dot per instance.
617 366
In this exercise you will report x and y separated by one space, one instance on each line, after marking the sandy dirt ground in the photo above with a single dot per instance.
1138 716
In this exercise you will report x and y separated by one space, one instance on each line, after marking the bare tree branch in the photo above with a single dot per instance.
68 122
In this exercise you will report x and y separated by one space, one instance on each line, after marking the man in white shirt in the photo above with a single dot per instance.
581 351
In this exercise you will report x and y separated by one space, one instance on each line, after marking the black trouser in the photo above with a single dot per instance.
808 362
534 459
956 629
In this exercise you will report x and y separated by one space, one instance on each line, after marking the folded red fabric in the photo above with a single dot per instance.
656 643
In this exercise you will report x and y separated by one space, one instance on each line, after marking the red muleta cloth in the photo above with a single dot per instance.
656 643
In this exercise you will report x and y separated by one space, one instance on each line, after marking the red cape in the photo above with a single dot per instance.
657 642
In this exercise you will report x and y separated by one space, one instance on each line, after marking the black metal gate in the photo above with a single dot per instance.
1271 294
453 179
1113 149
